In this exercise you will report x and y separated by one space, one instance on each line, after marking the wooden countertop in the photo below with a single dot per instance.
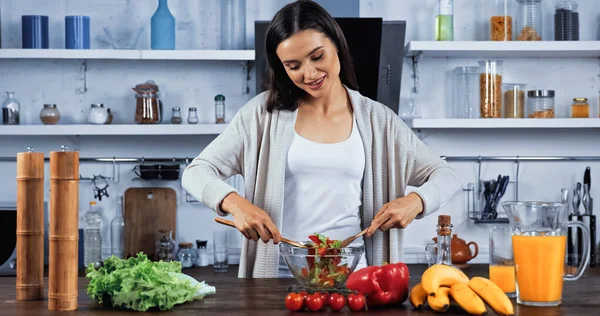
266 297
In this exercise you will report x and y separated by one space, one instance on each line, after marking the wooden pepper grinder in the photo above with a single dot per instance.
30 225
64 230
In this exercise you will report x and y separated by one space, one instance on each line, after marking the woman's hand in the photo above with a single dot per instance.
250 220
397 213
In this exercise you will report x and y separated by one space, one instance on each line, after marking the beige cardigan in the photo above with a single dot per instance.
255 145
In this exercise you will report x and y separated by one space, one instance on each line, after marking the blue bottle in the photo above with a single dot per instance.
162 32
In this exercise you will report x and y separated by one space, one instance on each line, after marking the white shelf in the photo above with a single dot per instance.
488 49
111 129
110 54
505 123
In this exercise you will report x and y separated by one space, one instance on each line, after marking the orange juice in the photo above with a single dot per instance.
539 263
504 277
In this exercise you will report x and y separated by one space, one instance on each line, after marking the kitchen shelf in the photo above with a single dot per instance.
504 123
118 54
496 49
111 129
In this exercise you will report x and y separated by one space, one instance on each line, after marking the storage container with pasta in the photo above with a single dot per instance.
514 100
490 88
529 20
540 103
501 20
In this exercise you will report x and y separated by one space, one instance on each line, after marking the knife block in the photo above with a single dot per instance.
575 241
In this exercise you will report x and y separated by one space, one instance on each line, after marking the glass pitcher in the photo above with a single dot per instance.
539 238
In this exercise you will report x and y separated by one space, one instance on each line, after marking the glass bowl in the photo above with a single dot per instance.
330 269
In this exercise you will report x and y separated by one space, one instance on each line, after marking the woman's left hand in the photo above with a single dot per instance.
397 213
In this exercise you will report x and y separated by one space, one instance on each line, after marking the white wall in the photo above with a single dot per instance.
196 83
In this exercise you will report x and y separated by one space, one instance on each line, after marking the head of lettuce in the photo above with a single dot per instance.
140 284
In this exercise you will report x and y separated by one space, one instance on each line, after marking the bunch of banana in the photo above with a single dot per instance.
442 285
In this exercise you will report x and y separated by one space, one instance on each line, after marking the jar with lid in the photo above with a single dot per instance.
202 254
540 103
97 114
514 100
529 20
148 108
49 115
501 21
220 109
566 21
490 88
192 116
186 255
176 117
444 21
580 108
164 248
465 92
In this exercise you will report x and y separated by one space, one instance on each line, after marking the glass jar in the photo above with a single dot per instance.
220 109
514 100
147 109
566 21
465 93
11 110
202 253
186 255
540 103
97 114
192 116
110 116
501 21
529 20
490 88
444 21
176 117
49 115
580 108
164 248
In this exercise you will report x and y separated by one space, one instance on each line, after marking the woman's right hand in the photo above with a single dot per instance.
253 222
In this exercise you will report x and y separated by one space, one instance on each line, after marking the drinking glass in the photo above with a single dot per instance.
220 245
502 266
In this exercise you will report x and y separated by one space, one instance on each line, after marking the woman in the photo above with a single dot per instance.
316 155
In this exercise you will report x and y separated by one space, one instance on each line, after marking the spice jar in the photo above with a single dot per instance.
98 114
186 255
176 116
514 100
49 115
164 248
110 116
529 20
202 254
566 21
490 88
220 109
580 108
540 103
192 116
501 20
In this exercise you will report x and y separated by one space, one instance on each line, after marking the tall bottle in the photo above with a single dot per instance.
444 21
162 32
11 110
92 246
443 253
117 231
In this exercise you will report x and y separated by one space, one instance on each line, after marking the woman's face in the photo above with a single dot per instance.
311 61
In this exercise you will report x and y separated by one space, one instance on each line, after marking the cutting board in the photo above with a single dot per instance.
146 211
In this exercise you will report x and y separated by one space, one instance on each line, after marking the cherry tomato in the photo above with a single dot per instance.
325 298
294 302
304 295
356 302
314 302
336 302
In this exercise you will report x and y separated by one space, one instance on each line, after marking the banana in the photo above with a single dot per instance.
441 301
467 299
492 295
417 296
441 275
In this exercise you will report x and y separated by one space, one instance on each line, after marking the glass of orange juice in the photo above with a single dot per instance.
502 266
539 238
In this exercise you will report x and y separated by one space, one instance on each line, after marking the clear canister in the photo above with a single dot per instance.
465 92
580 108
529 20
540 103
514 100
490 88
566 21
444 21
501 20
147 109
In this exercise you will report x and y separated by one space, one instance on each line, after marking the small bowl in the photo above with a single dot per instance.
304 264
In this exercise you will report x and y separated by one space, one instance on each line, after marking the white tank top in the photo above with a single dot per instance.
323 189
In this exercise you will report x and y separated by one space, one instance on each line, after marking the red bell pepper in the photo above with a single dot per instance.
382 285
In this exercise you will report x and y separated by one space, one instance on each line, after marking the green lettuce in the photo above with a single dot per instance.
140 284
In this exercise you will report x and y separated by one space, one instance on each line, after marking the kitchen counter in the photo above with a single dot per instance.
266 297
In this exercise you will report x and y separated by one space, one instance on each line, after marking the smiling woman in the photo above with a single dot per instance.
316 155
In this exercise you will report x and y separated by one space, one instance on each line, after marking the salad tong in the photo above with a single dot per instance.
283 239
